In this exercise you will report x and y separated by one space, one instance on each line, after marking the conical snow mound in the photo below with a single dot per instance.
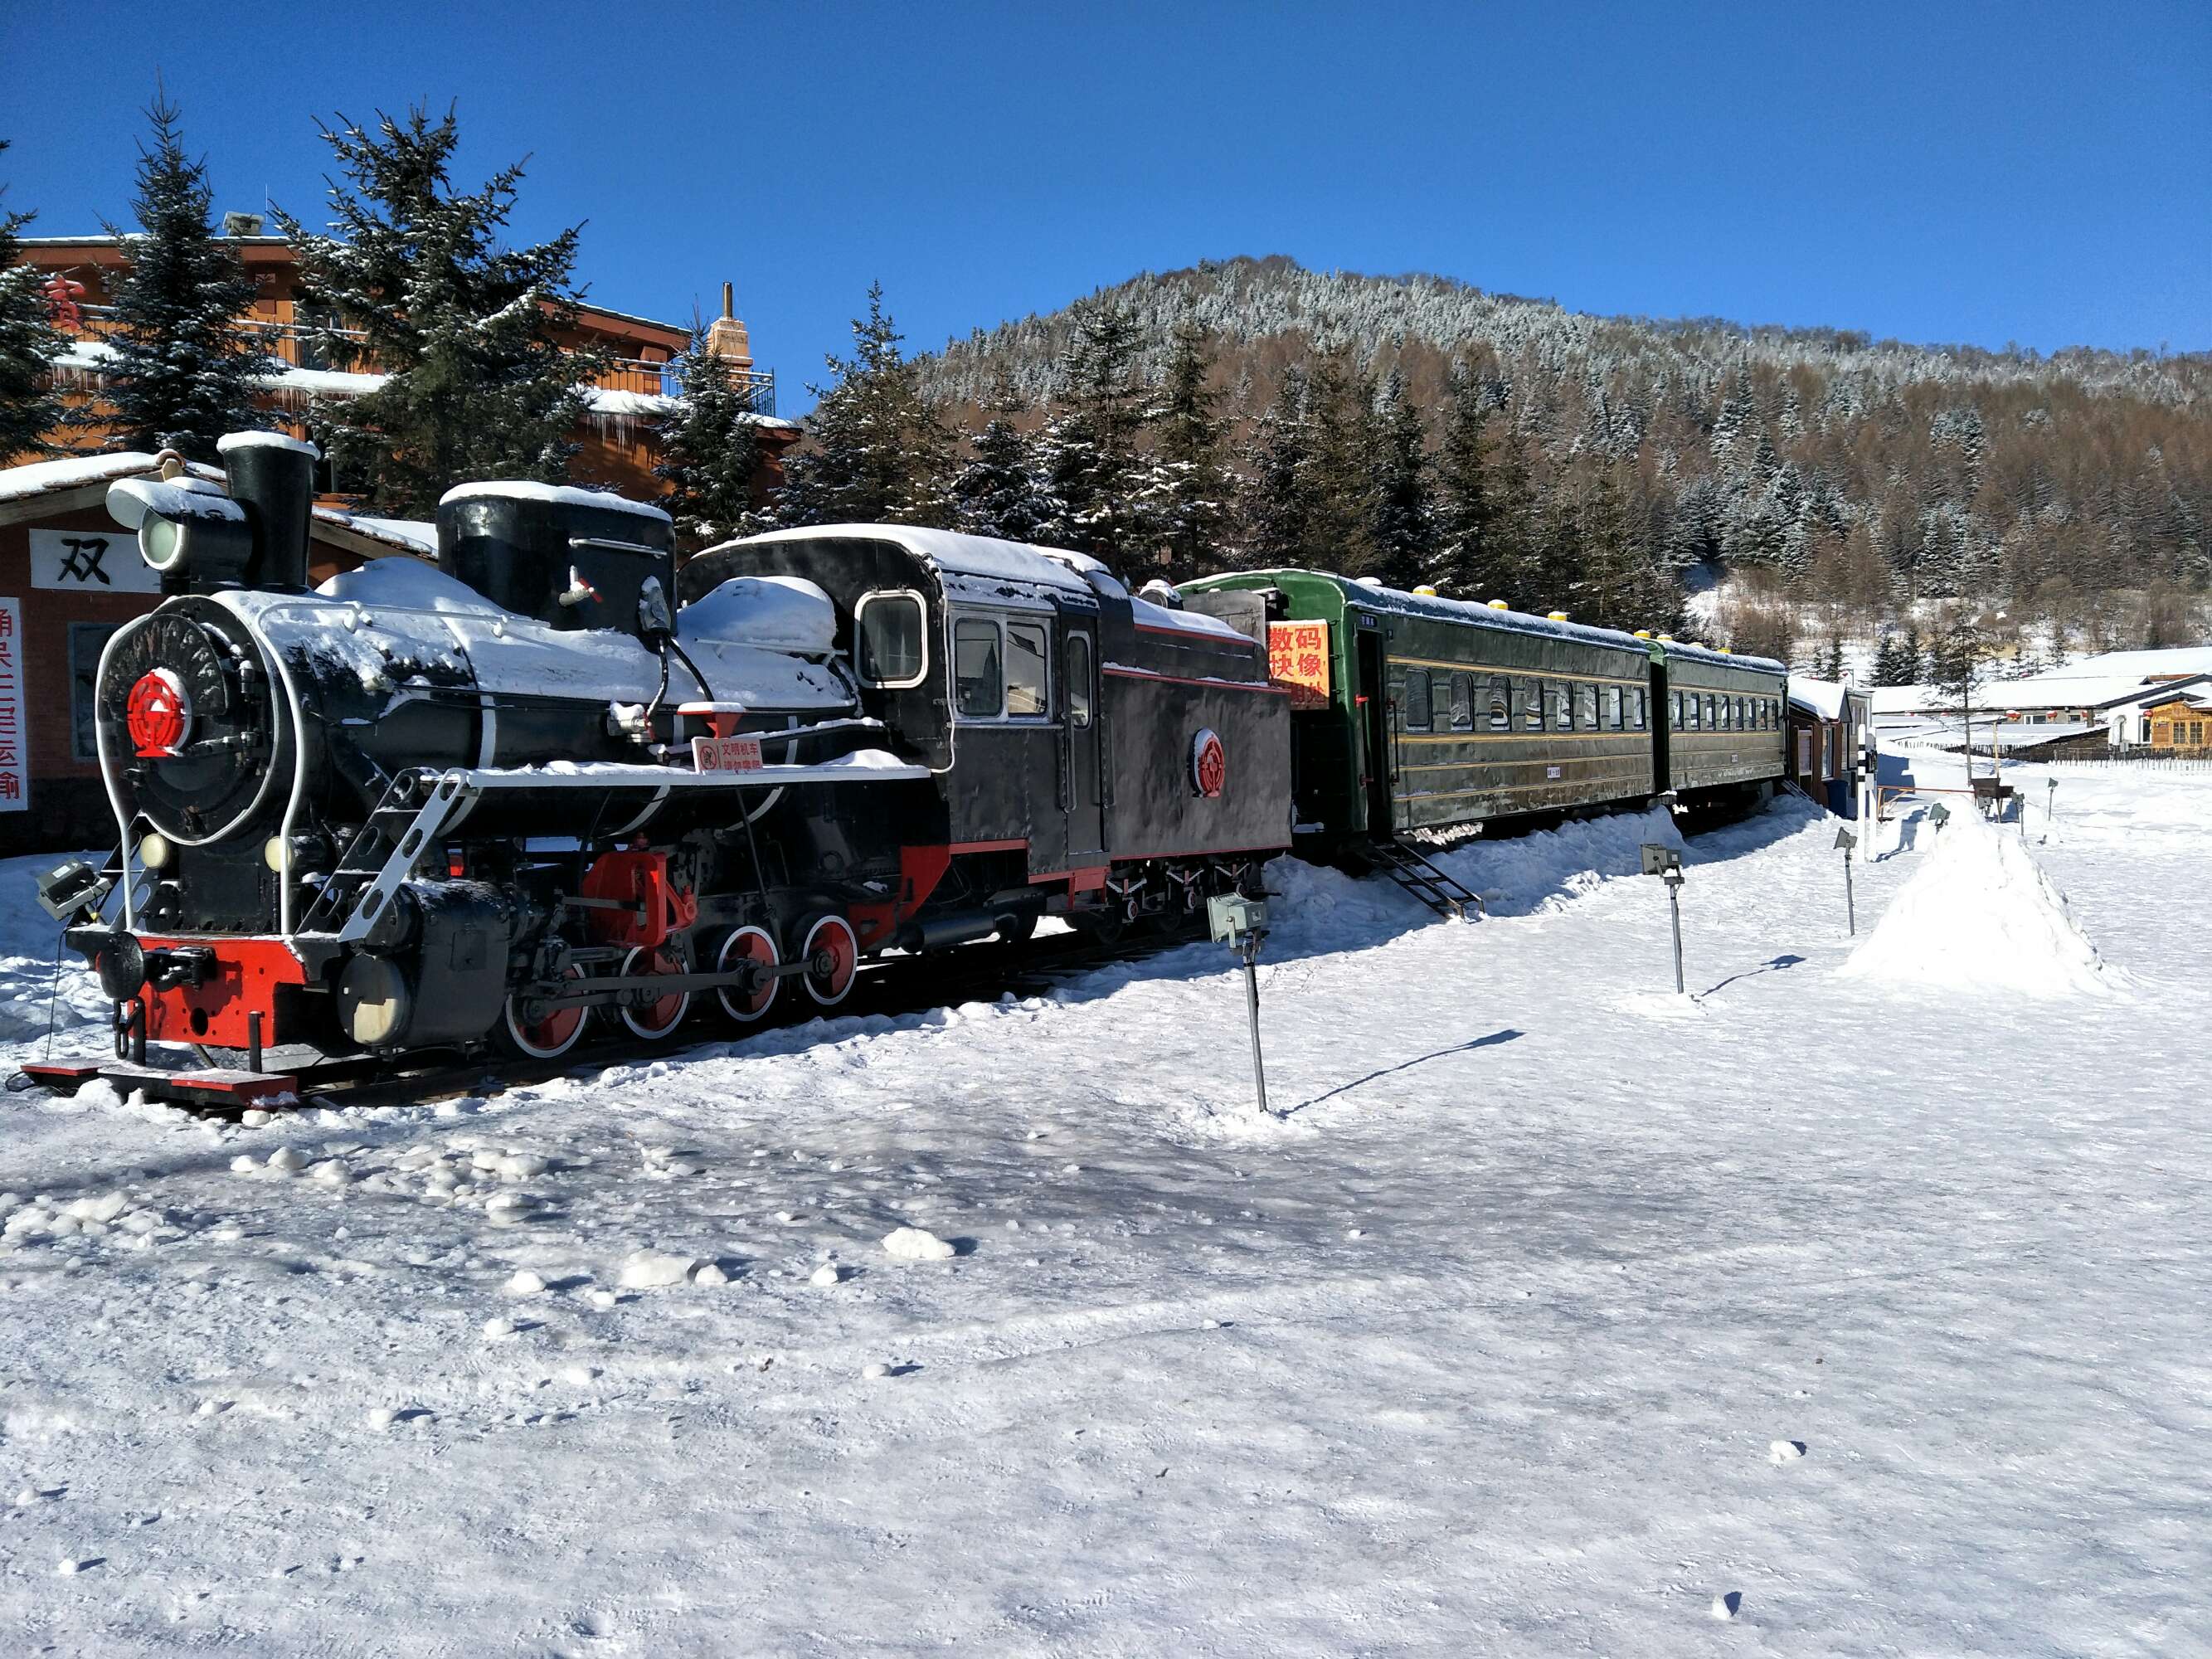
1980 915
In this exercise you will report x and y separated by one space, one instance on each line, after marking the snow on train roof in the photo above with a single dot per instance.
1396 600
1722 658
566 495
986 558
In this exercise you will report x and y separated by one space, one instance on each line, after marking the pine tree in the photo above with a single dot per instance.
709 450
1091 448
1614 588
1399 529
1831 659
1277 508
1185 496
1914 657
28 346
415 280
1339 408
1892 665
1465 513
1000 492
876 450
184 370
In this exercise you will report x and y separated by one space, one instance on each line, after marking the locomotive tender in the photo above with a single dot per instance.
472 805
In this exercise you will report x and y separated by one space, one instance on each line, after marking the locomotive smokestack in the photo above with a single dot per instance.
273 478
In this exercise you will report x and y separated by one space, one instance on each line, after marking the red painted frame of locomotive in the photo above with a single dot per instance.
245 982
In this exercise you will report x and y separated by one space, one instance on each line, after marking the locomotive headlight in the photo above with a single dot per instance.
157 851
161 542
187 527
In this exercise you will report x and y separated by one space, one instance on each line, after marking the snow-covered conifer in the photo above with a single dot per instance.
28 346
1400 528
414 276
1185 493
709 450
1000 492
876 450
184 367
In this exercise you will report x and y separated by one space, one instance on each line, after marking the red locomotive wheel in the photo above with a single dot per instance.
833 935
660 1018
547 1038
746 942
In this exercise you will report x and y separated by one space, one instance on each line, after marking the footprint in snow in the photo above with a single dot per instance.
1725 1605
1785 1451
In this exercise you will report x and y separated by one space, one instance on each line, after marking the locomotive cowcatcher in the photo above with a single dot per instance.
501 800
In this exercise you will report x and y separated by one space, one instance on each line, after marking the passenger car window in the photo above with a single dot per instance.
1556 695
1691 711
1674 710
1586 708
892 648
1501 705
1613 708
1417 700
1636 707
1529 694
1078 680
977 684
1462 703
1028 688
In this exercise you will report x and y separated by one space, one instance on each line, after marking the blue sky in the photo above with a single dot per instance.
1983 173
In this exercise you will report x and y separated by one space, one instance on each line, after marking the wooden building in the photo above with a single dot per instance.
2182 725
1829 727
616 437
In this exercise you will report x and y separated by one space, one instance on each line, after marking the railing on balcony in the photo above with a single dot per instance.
300 347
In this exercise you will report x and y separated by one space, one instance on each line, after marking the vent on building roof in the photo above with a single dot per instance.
241 224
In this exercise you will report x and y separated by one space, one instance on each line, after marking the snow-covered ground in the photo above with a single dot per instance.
1553 1313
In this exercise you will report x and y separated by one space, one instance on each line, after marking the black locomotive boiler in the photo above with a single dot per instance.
492 801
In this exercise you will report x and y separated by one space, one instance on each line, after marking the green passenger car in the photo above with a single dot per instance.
1414 713
1725 717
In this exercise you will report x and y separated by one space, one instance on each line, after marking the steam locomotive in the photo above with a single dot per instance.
494 802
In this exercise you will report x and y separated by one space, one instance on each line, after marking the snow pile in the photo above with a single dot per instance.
776 613
1980 915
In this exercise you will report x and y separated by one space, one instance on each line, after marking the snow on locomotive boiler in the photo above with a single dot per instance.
490 801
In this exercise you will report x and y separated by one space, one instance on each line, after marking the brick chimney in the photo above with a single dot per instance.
726 335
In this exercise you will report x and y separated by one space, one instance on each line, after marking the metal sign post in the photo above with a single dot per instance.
1845 841
1666 863
1241 923
2049 808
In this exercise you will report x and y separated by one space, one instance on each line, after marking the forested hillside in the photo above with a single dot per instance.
1250 410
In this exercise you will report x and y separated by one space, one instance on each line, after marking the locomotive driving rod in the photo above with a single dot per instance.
663 984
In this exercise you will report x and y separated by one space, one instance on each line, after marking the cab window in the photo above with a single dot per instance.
1029 691
979 684
1417 700
893 646
1078 681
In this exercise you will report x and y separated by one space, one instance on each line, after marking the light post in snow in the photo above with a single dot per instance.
1666 863
1241 923
1845 841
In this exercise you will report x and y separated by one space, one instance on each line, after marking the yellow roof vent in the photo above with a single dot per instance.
1557 616
1666 639
1425 590
1643 633
1728 651
1499 605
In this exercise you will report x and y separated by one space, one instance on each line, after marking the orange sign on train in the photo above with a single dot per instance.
1297 657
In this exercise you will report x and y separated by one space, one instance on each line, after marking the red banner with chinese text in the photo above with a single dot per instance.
1297 657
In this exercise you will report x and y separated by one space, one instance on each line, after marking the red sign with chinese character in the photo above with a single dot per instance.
1297 657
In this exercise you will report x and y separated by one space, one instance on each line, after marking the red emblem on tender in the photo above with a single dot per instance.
159 714
1209 765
